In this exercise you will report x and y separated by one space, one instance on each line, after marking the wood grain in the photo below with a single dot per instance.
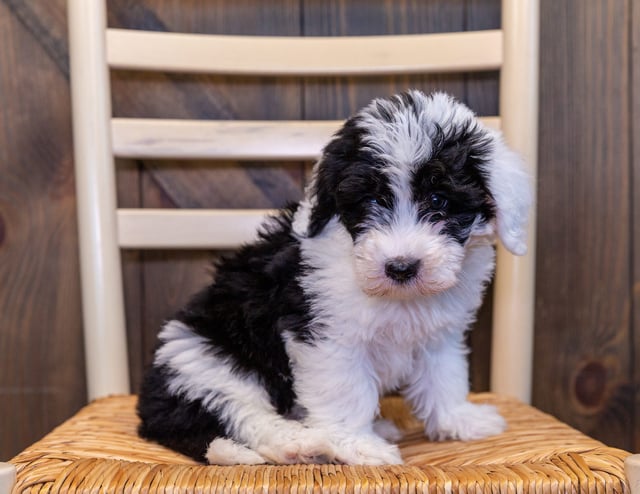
341 97
583 366
634 129
41 370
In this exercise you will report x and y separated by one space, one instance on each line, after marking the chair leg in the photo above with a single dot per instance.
632 469
7 477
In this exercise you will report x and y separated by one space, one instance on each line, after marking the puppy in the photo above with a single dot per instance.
366 286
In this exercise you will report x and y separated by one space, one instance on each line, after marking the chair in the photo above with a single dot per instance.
98 449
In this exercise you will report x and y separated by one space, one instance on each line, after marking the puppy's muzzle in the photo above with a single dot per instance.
402 269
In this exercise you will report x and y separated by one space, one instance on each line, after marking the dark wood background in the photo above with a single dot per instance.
588 275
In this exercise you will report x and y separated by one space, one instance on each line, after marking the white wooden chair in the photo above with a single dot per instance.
105 228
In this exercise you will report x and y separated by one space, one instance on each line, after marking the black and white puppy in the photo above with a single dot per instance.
366 286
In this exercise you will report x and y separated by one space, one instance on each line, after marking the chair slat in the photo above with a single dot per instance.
313 55
187 228
232 140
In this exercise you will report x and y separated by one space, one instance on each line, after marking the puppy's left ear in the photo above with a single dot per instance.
512 191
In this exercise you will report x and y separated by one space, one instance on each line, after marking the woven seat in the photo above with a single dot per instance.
98 450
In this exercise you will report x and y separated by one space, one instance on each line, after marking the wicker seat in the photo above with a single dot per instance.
98 449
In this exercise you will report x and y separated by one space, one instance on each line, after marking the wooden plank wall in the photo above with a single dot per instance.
41 362
584 330
588 243
634 129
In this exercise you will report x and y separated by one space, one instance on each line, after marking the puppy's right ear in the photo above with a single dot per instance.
328 173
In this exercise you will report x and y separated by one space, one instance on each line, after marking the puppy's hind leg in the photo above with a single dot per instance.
259 433
239 402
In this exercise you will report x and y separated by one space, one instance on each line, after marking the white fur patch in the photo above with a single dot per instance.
377 343
223 451
354 316
440 259
407 140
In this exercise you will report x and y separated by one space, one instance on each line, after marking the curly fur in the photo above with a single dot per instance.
366 286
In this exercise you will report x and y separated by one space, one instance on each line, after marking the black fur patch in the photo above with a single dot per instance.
350 183
256 296
454 174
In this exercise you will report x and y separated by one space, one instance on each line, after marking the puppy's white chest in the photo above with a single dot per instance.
391 364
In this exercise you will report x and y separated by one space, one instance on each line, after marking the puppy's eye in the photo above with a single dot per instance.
437 202
373 201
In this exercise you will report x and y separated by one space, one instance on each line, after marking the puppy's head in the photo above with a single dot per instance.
415 179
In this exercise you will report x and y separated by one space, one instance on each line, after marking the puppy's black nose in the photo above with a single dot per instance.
402 269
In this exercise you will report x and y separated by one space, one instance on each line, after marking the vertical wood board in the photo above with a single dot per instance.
634 130
582 369
42 368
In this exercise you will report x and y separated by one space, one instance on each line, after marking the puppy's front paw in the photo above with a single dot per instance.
297 445
225 451
465 422
367 450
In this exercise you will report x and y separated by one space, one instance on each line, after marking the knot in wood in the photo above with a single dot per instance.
590 384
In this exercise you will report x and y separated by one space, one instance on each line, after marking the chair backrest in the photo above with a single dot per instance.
98 138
